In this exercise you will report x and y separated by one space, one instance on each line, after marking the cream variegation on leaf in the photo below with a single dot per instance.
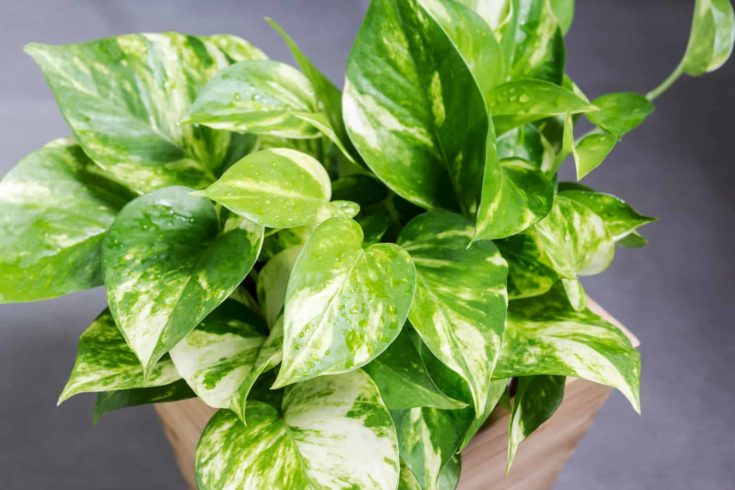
331 432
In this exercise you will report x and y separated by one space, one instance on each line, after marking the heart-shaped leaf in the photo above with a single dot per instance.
544 335
621 112
711 38
536 400
124 97
344 304
277 188
429 111
168 262
55 207
459 307
522 101
219 354
403 380
105 362
331 432
257 96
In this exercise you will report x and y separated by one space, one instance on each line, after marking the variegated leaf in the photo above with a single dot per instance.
55 207
620 218
277 187
326 94
536 400
109 401
574 239
273 281
528 272
125 96
460 302
515 195
591 150
544 335
519 102
219 354
269 356
534 41
344 304
526 143
332 432
105 362
711 38
256 96
168 262
474 38
429 111
403 380
427 440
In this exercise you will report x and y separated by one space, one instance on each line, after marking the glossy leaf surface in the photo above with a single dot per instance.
109 401
258 96
459 307
273 281
332 432
529 274
536 400
105 362
591 150
429 111
545 335
403 379
344 304
277 187
124 98
219 354
168 262
620 113
54 210
711 38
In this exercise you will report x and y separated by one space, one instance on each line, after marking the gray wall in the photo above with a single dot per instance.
675 294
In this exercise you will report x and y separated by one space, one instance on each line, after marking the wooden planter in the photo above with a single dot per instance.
537 464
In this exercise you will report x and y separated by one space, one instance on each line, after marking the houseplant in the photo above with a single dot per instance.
124 98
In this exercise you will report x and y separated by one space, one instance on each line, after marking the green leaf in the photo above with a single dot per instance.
621 112
591 150
522 101
619 217
515 195
168 262
344 304
450 473
428 111
536 400
109 401
459 307
426 440
544 335
326 94
105 362
574 239
124 97
273 281
319 121
257 96
403 380
536 40
564 13
331 432
633 240
711 38
277 188
526 143
219 354
494 12
269 356
54 210
473 38
528 272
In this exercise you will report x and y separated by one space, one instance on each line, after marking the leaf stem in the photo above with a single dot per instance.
663 86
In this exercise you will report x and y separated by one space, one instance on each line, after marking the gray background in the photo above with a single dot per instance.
676 294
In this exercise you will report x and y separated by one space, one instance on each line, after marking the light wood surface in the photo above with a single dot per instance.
539 460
